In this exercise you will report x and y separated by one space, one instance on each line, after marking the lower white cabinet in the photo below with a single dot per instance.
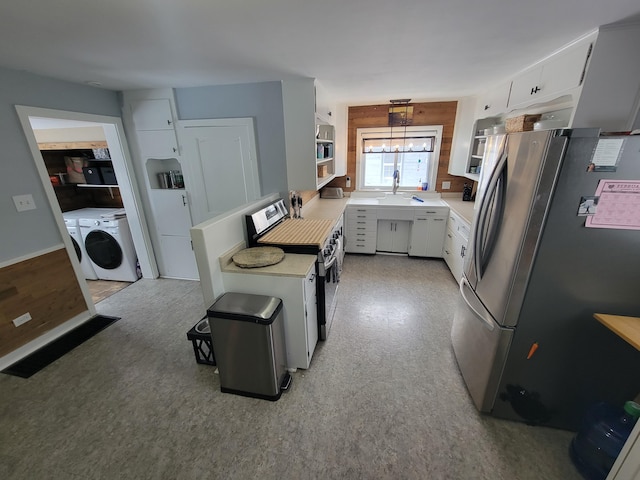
298 295
427 235
418 231
361 225
455 244
393 236
172 218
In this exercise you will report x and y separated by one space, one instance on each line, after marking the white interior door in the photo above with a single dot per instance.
223 166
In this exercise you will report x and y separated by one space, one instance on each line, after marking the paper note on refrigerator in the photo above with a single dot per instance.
618 205
607 155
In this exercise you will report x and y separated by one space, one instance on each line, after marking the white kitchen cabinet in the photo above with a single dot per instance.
361 225
463 132
552 77
311 312
394 229
298 295
158 143
171 208
151 116
427 233
455 244
324 107
177 257
494 102
301 150
155 127
393 236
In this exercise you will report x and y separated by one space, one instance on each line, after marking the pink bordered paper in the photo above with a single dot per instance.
618 205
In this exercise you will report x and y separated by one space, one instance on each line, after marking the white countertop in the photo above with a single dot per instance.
401 203
331 209
462 208
292 265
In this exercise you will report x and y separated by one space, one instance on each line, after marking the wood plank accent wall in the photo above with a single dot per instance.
45 286
431 113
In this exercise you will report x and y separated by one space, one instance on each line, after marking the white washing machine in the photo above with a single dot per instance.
109 245
78 245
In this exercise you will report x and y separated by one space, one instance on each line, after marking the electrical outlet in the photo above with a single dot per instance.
24 202
22 319
446 185
348 182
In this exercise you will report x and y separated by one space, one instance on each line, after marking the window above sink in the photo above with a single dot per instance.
414 151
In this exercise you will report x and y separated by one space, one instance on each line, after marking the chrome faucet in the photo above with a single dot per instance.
396 180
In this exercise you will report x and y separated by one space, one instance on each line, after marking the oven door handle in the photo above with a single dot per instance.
329 264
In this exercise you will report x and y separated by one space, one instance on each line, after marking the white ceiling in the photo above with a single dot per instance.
361 51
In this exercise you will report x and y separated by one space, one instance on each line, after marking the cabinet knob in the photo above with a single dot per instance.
184 200
535 90
487 107
169 122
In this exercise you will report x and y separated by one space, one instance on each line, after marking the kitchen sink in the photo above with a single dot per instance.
396 200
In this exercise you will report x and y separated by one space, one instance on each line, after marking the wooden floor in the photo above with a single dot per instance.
101 289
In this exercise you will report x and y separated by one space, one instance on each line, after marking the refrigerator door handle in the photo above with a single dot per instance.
489 323
483 242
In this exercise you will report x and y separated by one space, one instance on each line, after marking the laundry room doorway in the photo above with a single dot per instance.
84 164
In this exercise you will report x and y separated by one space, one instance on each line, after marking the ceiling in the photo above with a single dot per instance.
361 51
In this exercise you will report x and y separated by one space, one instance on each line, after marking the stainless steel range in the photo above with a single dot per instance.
272 226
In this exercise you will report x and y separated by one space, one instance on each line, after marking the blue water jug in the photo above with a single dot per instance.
602 435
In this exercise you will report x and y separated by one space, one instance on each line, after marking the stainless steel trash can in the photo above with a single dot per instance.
248 337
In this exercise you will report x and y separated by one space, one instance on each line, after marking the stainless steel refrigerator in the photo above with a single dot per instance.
523 334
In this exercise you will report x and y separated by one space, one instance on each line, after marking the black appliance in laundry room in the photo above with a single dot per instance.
329 252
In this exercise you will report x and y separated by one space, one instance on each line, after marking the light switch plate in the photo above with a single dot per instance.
446 185
24 202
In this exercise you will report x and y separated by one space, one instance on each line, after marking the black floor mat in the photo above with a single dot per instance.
48 354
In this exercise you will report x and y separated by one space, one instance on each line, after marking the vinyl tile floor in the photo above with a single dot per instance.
383 398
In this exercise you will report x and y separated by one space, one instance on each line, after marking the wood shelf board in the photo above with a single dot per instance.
72 145
93 185
627 328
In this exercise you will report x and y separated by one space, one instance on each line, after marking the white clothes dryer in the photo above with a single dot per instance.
110 247
78 246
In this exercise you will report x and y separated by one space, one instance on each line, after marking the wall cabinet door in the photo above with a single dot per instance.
152 114
463 131
553 78
157 143
494 102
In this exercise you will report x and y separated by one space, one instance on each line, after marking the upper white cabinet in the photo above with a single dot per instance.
610 95
307 167
494 102
324 107
463 131
155 127
553 77
152 114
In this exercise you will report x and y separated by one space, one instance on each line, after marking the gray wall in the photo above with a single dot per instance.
34 230
263 102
